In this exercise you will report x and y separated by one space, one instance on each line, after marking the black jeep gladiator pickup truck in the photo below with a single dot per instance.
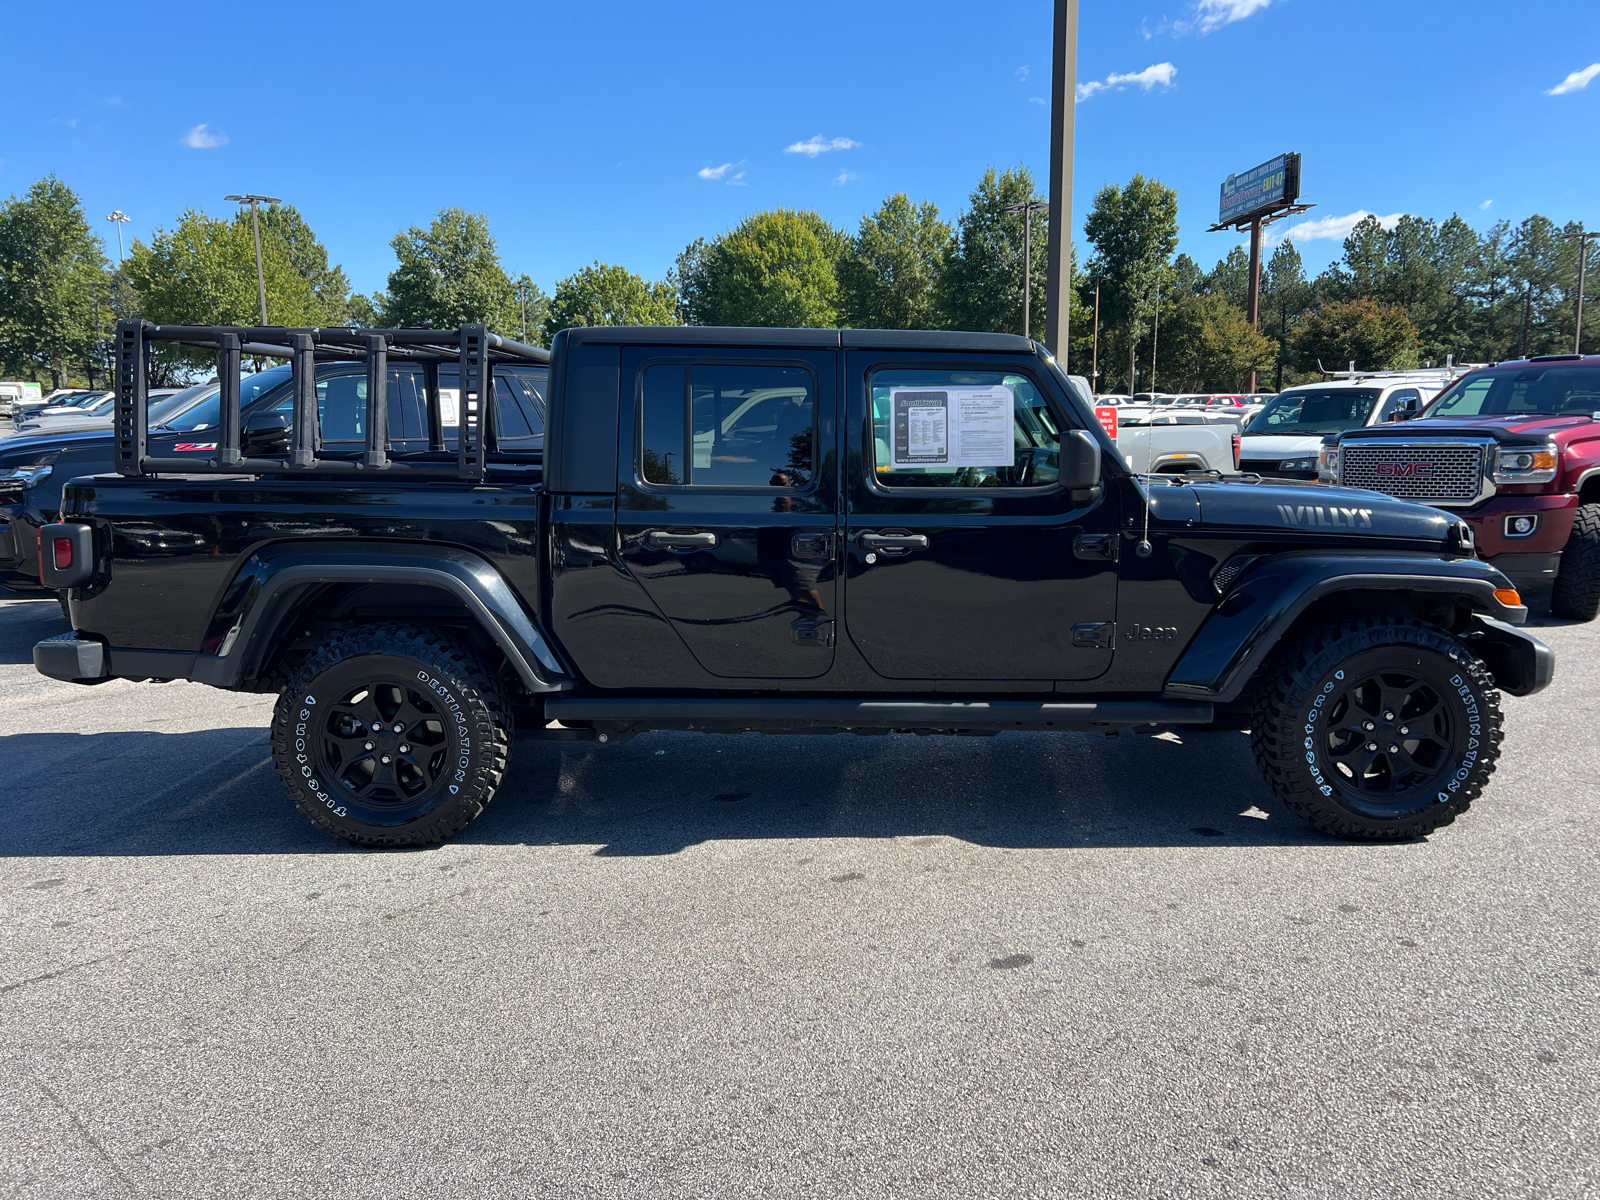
788 531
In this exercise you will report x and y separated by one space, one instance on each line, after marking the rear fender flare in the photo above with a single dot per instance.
1259 609
266 589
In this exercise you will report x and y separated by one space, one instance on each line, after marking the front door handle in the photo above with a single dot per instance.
894 543
678 539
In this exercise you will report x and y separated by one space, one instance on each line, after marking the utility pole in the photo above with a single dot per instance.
1583 261
255 228
118 218
1094 360
1063 100
522 298
1155 338
1027 208
94 290
1255 285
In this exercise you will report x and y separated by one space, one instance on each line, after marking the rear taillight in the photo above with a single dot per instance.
63 553
1237 446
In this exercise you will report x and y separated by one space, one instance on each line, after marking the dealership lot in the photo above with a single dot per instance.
1030 965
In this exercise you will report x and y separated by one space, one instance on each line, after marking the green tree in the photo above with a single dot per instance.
1286 295
775 268
980 285
282 223
449 274
203 272
1230 278
1376 337
1134 230
51 264
888 275
1214 346
609 295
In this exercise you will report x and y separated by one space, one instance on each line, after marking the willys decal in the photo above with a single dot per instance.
1325 516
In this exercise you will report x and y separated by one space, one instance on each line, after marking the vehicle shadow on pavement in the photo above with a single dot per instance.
215 792
21 625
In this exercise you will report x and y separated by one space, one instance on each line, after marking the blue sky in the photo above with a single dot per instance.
621 130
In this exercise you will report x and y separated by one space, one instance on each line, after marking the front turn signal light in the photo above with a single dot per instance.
1510 597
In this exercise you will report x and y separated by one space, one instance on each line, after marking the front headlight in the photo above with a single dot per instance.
1299 464
1536 464
1328 464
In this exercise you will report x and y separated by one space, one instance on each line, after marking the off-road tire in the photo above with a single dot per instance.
1577 591
434 681
1314 685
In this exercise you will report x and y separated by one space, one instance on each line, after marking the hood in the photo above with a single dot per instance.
1280 445
1284 505
26 447
1509 429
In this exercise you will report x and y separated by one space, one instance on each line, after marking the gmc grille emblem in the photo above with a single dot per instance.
1417 470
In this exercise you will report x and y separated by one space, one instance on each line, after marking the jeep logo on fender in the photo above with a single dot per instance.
1325 516
1416 470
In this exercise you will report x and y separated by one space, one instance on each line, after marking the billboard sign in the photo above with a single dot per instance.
1271 185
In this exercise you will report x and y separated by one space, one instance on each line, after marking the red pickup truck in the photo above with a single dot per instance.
1514 448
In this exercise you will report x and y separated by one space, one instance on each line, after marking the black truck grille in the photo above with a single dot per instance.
1438 474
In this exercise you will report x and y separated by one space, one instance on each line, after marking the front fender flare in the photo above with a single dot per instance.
1250 621
266 586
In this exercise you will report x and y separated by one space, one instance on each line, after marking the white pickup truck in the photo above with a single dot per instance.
1174 442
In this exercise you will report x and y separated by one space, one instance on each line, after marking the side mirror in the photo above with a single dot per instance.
265 434
1406 409
1080 465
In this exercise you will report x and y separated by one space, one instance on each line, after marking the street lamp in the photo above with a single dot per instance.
255 228
1027 208
118 218
1583 261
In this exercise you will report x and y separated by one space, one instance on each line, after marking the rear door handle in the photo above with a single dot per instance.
677 539
894 543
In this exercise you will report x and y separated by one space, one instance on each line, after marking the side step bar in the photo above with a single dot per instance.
680 713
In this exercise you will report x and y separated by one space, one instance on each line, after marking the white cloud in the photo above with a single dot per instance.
843 178
818 144
1327 228
1157 74
1039 100
1484 207
1575 82
1211 15
1022 72
203 137
725 173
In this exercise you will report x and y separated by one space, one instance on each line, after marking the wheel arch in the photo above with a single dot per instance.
1284 594
282 587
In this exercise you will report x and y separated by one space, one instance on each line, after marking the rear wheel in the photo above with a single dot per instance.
1377 728
391 735
1577 590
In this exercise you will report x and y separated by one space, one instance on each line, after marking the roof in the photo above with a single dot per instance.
820 339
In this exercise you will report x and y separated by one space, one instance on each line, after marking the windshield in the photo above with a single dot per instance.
209 411
1551 391
1315 411
168 407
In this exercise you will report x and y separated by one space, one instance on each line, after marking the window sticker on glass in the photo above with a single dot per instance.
449 407
953 427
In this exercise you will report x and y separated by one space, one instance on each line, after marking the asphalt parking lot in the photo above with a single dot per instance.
1033 965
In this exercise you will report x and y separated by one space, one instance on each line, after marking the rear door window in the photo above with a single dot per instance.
728 425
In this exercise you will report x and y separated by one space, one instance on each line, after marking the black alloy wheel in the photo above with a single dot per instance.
391 735
1389 736
1380 727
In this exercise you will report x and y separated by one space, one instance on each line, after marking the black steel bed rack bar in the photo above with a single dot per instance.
472 348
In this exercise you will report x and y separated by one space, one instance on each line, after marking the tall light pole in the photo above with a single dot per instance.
1583 261
1027 208
1063 99
1094 352
255 228
118 218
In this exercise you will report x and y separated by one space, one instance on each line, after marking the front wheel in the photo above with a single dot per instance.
1577 590
1377 728
390 735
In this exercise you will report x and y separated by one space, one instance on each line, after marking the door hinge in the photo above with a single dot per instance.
1095 635
812 633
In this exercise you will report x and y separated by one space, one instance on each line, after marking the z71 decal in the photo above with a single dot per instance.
181 446
1325 516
